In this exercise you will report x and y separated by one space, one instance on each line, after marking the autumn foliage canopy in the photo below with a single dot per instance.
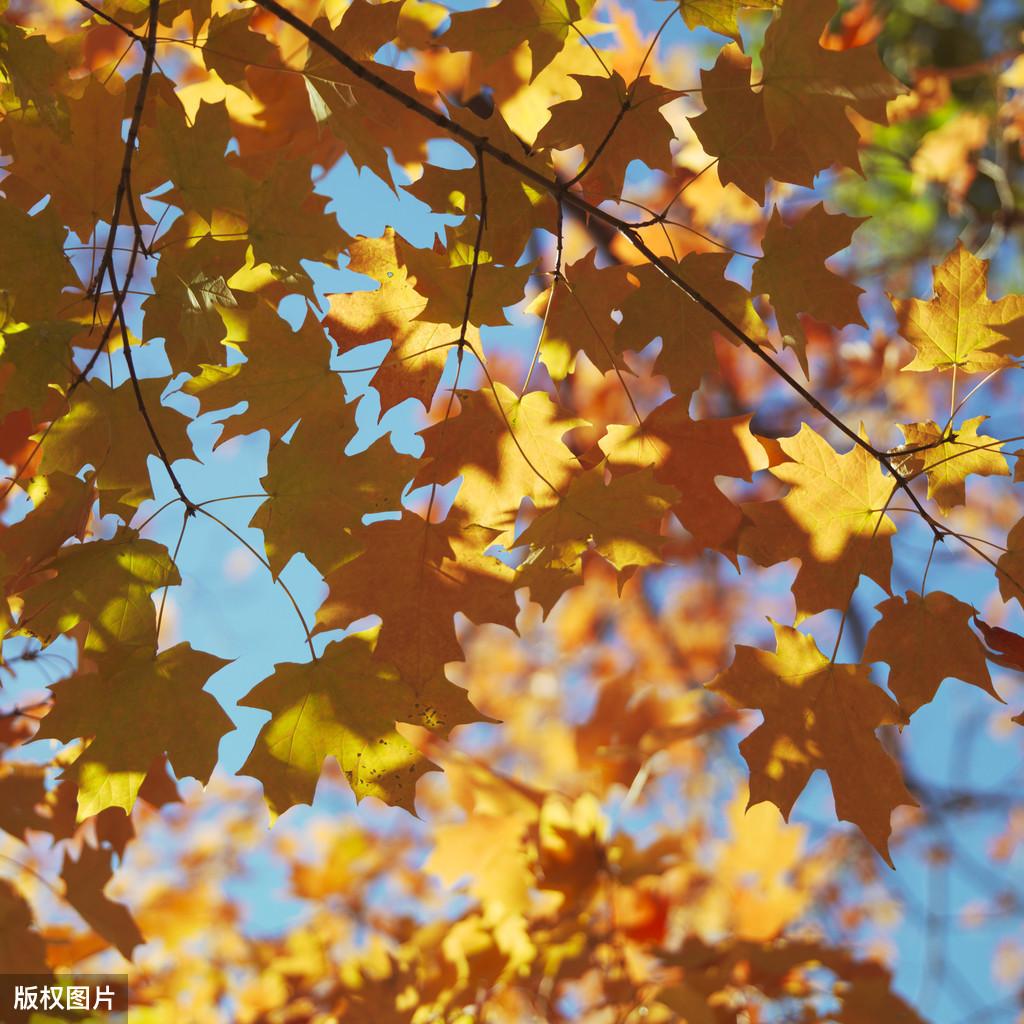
627 398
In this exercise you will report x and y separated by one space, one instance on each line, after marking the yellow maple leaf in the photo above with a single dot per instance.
817 715
960 326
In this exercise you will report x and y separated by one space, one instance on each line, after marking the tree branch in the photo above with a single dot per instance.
125 182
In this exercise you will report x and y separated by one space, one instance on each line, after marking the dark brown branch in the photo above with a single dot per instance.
190 506
124 184
476 251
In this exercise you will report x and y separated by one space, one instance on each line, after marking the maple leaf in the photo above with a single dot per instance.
392 313
136 709
238 127
720 15
832 519
506 448
797 123
657 307
441 275
61 506
489 850
365 122
1010 566
808 90
514 208
925 640
494 31
31 71
817 715
22 949
1008 647
286 375
621 518
84 882
577 311
190 295
734 128
106 583
688 455
192 158
287 220
434 570
33 273
615 124
22 790
101 428
317 495
960 326
951 458
793 274
45 163
232 43
345 705
35 363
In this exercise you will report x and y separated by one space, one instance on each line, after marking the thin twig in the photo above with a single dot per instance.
266 565
556 276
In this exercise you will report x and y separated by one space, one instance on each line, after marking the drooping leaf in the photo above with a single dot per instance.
793 274
84 882
102 428
925 640
1007 646
317 495
106 583
817 715
1010 565
345 705
136 709
832 519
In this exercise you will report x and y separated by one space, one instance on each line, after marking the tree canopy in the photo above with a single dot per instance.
591 431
